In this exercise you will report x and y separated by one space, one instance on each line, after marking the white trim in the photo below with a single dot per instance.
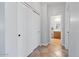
62 28
44 44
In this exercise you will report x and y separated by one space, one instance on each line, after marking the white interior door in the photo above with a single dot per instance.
22 14
28 30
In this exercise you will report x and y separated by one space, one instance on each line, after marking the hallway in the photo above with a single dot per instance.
54 49
26 29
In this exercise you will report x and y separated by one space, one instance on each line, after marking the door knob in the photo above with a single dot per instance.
19 35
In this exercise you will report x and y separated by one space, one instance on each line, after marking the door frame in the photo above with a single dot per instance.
61 27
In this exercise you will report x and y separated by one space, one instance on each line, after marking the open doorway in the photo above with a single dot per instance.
56 17
55 27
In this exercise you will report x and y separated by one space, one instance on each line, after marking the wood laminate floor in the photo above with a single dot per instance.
54 49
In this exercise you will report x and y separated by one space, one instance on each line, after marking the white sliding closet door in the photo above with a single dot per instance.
28 30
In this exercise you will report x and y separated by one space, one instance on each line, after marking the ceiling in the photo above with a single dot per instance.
56 8
55 3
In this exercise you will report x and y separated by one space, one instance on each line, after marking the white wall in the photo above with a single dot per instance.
2 30
44 24
11 29
74 30
56 8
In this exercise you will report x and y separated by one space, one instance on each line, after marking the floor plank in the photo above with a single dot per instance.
54 49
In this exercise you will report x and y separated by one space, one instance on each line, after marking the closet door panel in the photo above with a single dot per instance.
28 27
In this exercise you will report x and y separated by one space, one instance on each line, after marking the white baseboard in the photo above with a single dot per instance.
33 50
44 44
